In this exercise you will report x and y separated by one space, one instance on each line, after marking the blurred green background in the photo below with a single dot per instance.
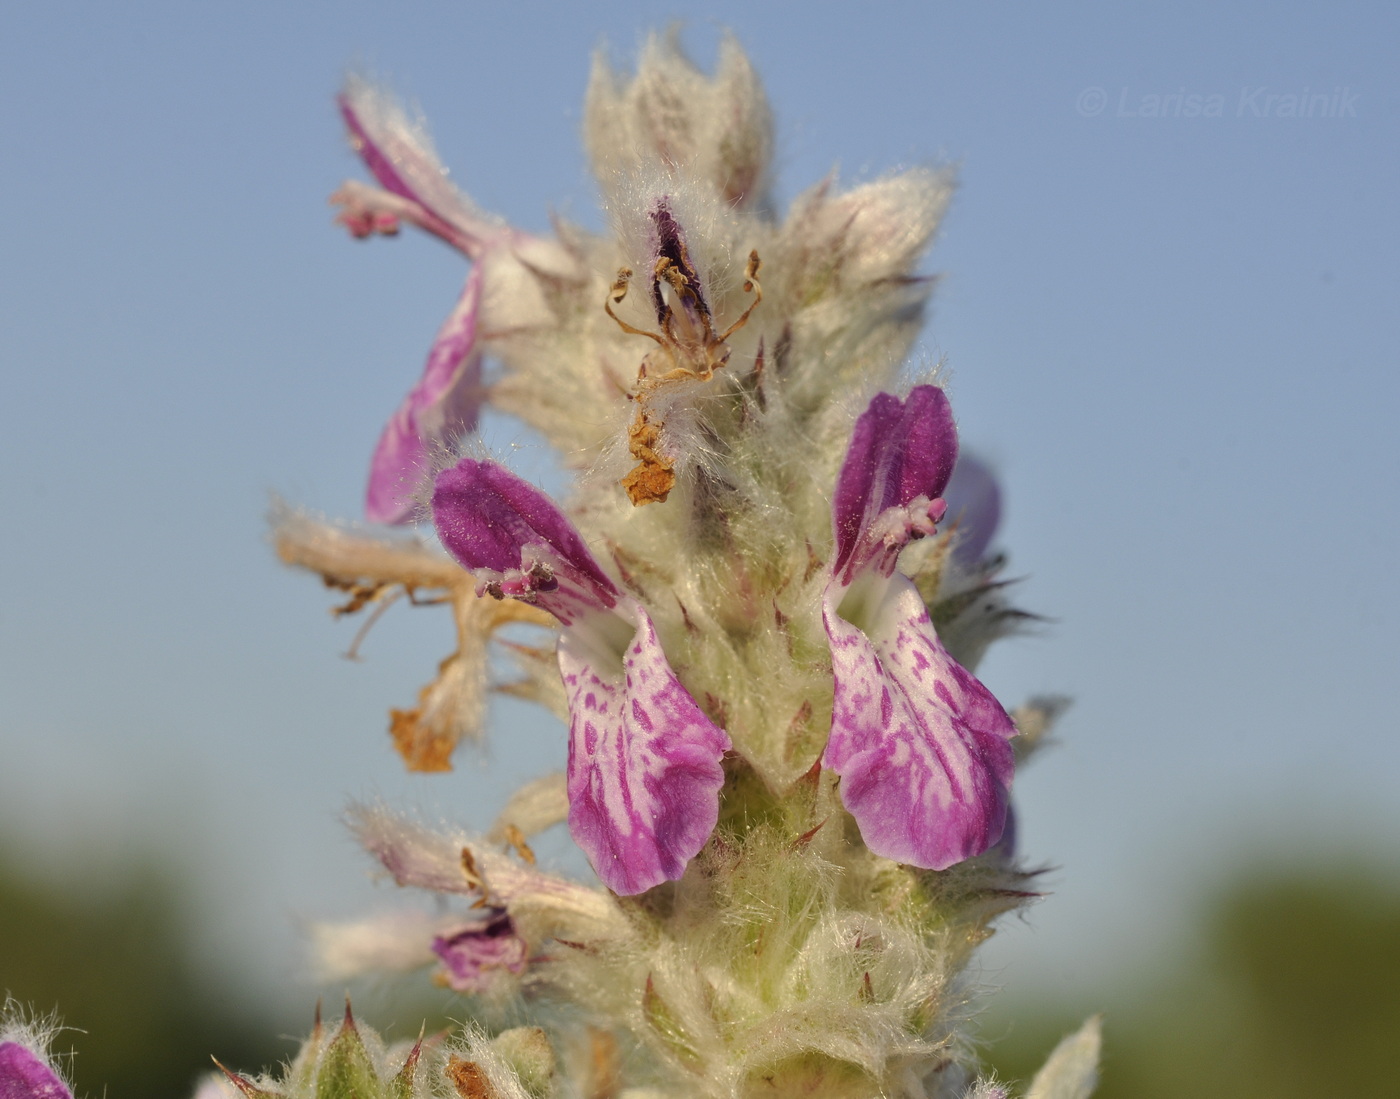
1288 985
1285 986
112 951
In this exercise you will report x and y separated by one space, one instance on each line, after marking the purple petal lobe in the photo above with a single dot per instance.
516 541
974 504
644 760
920 744
438 411
399 155
470 954
23 1075
900 452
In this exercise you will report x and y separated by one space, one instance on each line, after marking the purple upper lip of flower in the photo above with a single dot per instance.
644 761
920 744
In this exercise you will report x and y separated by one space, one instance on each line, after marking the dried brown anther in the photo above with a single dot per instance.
688 350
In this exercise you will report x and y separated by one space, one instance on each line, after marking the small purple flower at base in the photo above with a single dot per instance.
644 770
25 1075
920 744
470 956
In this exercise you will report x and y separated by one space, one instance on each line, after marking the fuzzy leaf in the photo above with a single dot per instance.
1072 1069
346 1070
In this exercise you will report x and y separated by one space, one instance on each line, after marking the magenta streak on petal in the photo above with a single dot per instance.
25 1076
491 520
395 167
644 762
920 744
899 450
470 954
438 411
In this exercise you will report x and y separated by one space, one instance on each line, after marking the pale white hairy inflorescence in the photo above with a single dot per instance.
710 355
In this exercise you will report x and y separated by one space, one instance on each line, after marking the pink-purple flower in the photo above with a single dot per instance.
920 744
446 401
24 1074
644 770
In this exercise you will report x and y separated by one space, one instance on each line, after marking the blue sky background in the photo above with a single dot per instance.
1175 337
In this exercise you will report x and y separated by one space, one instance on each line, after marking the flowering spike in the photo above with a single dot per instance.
800 947
919 743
